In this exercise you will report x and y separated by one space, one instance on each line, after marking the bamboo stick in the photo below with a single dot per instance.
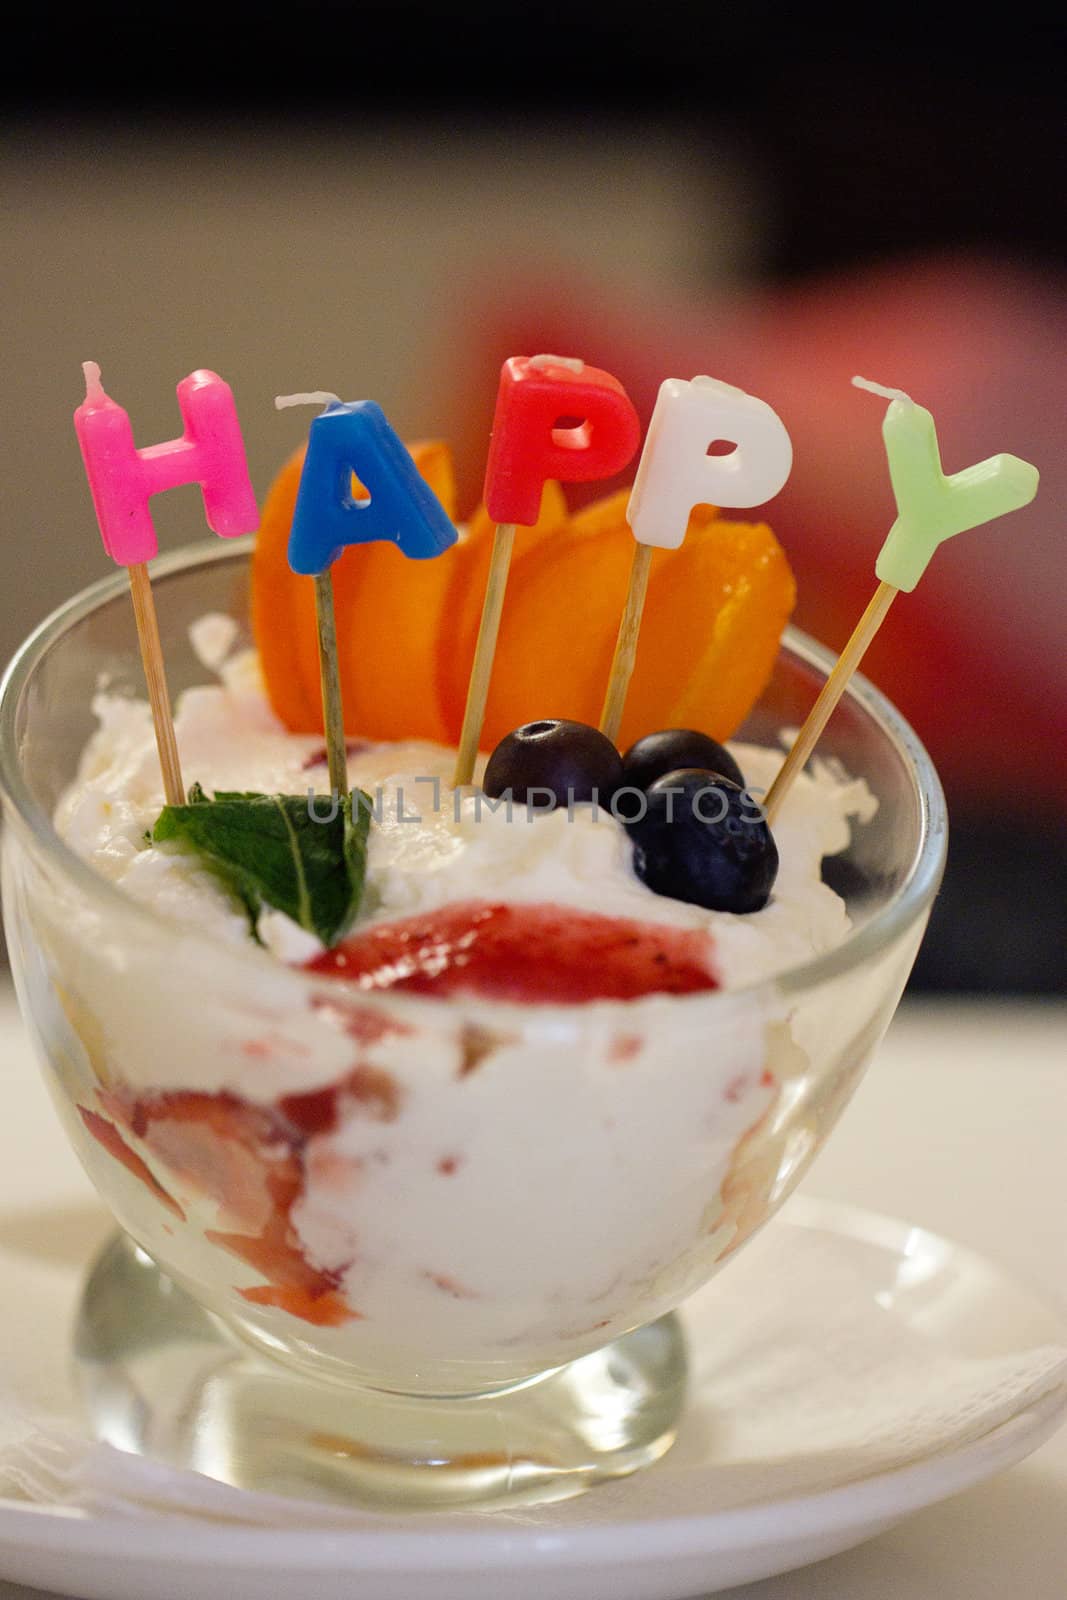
484 651
829 695
333 720
622 664
144 611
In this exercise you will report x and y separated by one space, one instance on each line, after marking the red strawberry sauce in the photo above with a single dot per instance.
535 954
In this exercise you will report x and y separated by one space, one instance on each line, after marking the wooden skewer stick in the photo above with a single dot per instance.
622 663
144 611
333 719
484 651
830 694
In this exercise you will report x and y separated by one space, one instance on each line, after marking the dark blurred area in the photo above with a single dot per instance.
389 201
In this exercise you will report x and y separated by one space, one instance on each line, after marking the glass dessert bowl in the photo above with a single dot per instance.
399 1248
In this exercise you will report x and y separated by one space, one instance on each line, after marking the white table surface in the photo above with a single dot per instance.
960 1126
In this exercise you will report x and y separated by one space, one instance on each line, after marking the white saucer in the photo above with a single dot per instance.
721 1509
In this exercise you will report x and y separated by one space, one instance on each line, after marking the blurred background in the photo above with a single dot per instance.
389 202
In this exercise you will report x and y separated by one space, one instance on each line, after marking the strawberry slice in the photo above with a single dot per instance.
249 1160
235 1153
106 1134
327 1310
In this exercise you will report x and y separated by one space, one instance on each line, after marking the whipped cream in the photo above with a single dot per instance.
428 845
432 1194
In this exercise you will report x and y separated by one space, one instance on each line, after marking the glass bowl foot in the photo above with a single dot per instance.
164 1378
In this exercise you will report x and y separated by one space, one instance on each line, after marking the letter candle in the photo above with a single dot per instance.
677 472
122 478
930 508
346 442
555 418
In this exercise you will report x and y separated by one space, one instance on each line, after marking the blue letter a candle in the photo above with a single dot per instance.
356 440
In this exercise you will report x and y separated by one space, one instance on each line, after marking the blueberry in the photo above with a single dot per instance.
706 843
570 759
671 750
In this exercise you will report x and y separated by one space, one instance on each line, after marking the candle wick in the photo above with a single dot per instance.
316 397
94 389
880 388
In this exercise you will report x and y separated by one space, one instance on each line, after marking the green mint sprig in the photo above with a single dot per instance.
270 850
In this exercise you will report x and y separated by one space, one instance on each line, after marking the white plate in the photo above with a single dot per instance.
726 1506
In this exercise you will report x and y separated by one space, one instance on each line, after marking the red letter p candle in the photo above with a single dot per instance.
555 418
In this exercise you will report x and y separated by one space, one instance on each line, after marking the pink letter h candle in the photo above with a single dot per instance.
122 478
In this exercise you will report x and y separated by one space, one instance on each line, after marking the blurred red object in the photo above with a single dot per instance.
975 657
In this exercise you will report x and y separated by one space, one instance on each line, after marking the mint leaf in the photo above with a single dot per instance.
269 850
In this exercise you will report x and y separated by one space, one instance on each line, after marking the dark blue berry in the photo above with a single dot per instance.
672 750
575 762
705 842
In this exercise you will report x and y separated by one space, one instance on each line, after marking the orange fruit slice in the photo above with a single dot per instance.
468 574
557 629
389 618
713 620
407 629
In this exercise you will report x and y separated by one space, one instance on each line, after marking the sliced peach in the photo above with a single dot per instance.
713 619
389 615
602 516
466 592
407 629
557 631
609 514
715 609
